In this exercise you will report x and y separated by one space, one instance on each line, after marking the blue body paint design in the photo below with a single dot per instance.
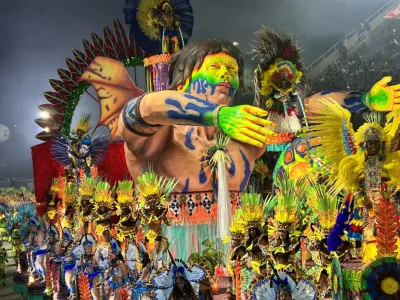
188 139
202 175
232 167
186 188
247 171
175 103
327 92
354 103
200 107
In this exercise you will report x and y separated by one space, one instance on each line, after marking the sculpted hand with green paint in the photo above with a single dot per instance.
383 97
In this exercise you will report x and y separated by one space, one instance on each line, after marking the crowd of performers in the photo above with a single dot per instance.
290 245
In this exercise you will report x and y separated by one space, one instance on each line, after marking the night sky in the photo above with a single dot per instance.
37 36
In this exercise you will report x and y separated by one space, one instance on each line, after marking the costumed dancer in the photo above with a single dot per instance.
126 209
37 250
325 206
116 275
81 151
254 213
87 266
53 198
85 204
68 263
280 83
178 282
291 218
161 28
4 234
238 255
364 164
152 194
283 286
55 252
103 208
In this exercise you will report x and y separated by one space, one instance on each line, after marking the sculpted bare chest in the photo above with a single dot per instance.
188 155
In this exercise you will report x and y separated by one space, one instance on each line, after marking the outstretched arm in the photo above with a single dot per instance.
381 97
146 115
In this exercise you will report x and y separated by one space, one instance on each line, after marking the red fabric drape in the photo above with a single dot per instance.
45 168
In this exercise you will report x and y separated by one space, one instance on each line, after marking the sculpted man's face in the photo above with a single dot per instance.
216 80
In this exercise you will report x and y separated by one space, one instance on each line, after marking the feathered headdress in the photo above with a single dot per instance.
88 187
152 187
289 208
324 204
103 195
83 124
55 186
280 66
70 194
237 228
125 192
254 211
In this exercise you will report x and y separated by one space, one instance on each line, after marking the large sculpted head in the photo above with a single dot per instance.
210 69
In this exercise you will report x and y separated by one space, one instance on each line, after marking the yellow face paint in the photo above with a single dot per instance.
219 68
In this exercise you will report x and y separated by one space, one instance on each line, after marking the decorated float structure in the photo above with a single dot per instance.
117 216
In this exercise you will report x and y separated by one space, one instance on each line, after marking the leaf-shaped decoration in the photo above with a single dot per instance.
75 67
60 87
68 78
110 43
386 226
114 88
55 98
122 40
81 58
67 91
99 46
89 49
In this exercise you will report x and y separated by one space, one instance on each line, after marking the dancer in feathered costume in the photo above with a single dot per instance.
88 264
37 248
80 151
85 203
69 197
325 206
178 282
254 212
291 217
103 207
283 286
127 212
161 26
116 275
152 194
280 83
364 164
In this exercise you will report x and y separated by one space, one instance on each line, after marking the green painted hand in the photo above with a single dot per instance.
245 123
383 97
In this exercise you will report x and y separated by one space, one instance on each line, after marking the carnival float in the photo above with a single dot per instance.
176 203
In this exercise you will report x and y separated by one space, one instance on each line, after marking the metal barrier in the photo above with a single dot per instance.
349 36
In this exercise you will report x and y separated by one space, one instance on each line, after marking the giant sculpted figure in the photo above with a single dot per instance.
174 129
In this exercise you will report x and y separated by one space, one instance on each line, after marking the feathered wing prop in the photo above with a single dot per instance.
142 16
392 129
331 122
114 89
102 255
131 256
61 149
280 67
